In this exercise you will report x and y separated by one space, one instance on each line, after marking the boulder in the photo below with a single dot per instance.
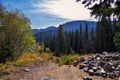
90 65
87 78
91 72
98 57
117 73
103 73
105 65
81 59
112 75
85 69
105 53
81 66
76 62
101 63
97 73
95 69
109 67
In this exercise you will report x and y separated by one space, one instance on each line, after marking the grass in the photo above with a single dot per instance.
66 59
12 67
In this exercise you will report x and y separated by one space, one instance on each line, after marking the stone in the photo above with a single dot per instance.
85 62
103 73
108 67
117 73
85 69
98 57
91 72
105 53
76 62
112 75
46 78
101 63
97 73
81 59
94 69
26 70
90 65
87 78
104 65
81 66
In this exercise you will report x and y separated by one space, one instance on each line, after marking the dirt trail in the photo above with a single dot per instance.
52 70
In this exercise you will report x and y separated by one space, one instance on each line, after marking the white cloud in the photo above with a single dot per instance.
69 9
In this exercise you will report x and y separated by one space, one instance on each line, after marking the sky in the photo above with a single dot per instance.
45 13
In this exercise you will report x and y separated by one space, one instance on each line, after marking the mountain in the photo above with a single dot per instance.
44 30
73 25
68 26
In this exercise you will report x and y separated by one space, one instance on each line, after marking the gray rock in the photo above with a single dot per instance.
95 69
81 59
117 73
26 70
85 69
103 73
105 65
97 73
46 78
105 53
91 72
76 62
90 65
81 66
101 63
109 67
87 78
98 57
112 75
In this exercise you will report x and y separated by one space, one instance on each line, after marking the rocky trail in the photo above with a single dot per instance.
51 71
48 70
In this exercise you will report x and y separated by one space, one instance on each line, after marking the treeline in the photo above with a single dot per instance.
15 34
106 36
85 40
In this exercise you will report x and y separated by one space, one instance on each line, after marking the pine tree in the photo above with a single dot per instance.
60 42
85 38
80 39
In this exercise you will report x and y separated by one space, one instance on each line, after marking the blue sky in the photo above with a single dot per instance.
45 13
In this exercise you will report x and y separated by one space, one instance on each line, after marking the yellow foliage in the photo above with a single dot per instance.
40 48
67 59
2 66
27 57
45 56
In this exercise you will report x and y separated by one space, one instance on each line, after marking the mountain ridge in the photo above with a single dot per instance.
68 26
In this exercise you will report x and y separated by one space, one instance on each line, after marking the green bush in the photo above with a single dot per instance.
66 59
7 52
47 50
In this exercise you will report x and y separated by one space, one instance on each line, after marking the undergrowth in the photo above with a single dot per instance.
66 59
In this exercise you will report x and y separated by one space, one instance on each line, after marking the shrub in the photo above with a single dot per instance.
27 57
7 52
67 59
47 50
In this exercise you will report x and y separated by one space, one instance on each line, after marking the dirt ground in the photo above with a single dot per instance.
52 70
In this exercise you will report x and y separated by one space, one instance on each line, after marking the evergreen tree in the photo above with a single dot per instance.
85 38
80 39
60 42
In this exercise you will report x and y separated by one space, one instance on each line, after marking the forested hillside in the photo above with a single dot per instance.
64 52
